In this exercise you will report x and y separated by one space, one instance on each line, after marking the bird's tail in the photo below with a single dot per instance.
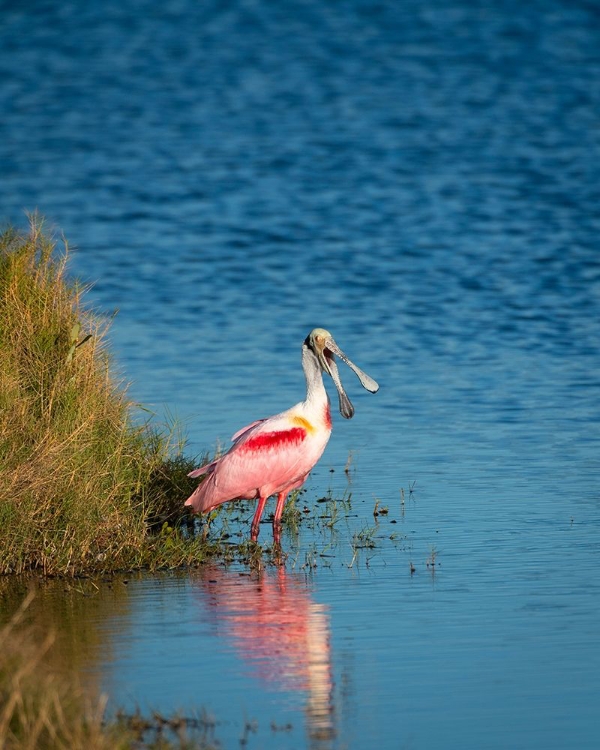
203 497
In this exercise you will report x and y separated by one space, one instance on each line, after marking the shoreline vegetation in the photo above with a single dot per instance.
85 487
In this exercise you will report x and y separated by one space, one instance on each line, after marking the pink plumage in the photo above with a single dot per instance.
274 456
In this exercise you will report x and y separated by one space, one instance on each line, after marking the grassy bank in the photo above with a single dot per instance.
82 482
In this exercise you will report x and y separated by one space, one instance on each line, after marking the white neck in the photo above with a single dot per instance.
315 390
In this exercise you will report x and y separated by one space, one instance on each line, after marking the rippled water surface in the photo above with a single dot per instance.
422 179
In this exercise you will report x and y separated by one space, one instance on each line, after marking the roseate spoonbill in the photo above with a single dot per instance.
274 456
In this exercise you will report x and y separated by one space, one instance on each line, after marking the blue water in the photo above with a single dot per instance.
421 179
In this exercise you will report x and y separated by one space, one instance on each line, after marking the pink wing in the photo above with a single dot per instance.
266 458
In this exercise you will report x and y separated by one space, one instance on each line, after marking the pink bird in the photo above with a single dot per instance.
274 456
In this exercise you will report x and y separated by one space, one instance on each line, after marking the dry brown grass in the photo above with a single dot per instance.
78 474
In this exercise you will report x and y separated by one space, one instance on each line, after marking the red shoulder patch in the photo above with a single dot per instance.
327 417
275 439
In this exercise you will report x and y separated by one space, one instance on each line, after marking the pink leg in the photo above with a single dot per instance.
256 520
276 535
279 508
277 517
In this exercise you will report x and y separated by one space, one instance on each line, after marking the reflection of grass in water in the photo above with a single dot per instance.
43 707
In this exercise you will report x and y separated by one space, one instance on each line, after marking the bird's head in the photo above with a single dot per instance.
323 346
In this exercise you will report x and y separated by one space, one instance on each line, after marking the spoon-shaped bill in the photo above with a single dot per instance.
367 382
346 408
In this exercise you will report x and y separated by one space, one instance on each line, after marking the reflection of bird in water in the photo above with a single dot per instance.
274 456
275 626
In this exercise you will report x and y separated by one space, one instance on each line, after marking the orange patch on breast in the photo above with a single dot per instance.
304 423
